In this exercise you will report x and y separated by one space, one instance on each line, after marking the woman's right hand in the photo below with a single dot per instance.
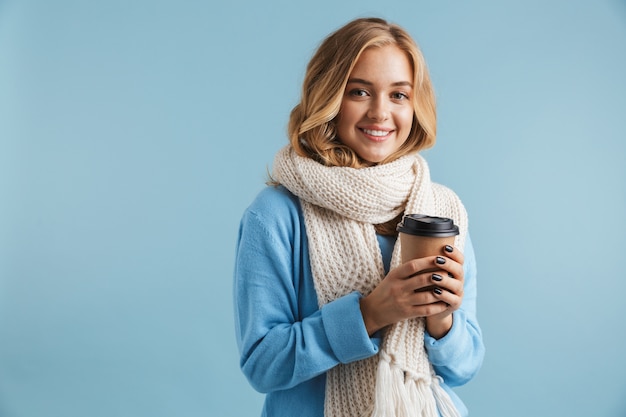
403 294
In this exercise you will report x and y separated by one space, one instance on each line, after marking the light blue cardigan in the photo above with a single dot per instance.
287 343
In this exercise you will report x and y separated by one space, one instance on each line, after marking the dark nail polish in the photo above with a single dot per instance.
436 277
449 248
440 260
437 291
450 275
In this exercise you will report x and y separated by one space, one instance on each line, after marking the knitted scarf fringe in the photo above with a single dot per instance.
400 393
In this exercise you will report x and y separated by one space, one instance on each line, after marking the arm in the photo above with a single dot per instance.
283 338
458 355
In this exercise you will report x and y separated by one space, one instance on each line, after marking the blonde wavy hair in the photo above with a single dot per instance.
312 131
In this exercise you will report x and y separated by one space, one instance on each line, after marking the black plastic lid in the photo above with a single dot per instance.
429 226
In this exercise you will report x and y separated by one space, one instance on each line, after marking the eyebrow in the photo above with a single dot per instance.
362 81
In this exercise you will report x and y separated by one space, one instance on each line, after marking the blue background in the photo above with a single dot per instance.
134 134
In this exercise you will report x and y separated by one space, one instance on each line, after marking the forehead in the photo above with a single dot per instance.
384 64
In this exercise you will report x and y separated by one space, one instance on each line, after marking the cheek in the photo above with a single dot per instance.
406 118
340 124
345 118
347 111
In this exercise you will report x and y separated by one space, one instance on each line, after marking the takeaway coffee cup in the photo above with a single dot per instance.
422 235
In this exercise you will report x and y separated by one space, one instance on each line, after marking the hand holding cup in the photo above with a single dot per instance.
426 236
428 283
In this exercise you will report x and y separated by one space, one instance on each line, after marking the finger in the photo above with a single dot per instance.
420 281
430 309
452 268
411 268
453 253
420 298
451 299
447 282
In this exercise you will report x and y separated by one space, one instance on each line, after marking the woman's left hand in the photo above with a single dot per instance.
449 290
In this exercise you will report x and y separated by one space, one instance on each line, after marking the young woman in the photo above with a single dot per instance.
329 321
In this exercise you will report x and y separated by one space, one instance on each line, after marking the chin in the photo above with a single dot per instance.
373 160
376 158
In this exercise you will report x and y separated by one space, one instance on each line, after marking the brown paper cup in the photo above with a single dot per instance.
422 236
414 247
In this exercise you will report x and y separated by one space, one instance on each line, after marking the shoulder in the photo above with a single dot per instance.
276 210
275 200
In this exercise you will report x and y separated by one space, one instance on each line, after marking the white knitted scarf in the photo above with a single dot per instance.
340 207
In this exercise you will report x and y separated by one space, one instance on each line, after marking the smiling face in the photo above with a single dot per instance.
376 111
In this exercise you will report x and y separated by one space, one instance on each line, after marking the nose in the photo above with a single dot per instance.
378 110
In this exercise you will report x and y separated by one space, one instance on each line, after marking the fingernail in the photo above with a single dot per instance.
437 291
449 248
440 260
436 277
450 275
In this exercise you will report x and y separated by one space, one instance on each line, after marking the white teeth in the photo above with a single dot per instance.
376 132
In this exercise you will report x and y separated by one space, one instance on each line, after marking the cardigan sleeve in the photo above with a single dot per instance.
458 355
283 337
